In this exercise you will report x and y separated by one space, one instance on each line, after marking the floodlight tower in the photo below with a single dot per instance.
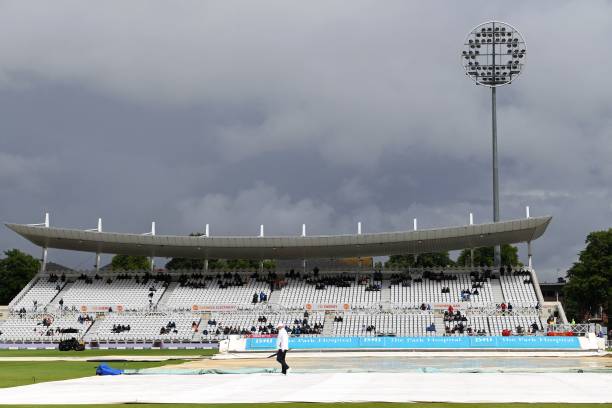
494 54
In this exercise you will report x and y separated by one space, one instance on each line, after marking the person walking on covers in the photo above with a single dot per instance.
282 345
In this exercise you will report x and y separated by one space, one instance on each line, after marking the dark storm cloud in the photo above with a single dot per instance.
283 113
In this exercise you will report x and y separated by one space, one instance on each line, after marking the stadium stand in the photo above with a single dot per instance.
44 328
42 291
126 327
335 289
221 325
412 290
374 324
112 290
196 307
213 290
518 289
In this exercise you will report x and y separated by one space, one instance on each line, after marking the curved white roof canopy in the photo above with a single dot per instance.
288 247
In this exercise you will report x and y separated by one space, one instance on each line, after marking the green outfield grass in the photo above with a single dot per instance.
105 353
17 373
330 405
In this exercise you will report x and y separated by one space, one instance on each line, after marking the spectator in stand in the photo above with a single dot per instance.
503 307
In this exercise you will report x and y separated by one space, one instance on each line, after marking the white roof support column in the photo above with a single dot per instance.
152 258
304 260
529 253
359 233
45 252
99 229
471 249
206 234
414 224
261 235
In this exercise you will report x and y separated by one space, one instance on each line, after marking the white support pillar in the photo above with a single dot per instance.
303 260
261 235
529 253
152 259
471 249
414 224
43 266
206 234
45 252
359 258
97 253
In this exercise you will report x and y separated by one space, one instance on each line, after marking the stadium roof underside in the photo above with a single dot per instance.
287 247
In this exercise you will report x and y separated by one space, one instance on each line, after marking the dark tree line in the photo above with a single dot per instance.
589 288
482 257
16 270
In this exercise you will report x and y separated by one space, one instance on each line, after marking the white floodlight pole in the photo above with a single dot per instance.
471 249
494 55
529 254
152 258
206 234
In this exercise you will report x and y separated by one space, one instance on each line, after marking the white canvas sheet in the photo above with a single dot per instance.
325 387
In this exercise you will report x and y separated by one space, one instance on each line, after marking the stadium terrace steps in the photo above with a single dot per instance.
439 322
327 325
273 298
163 300
496 291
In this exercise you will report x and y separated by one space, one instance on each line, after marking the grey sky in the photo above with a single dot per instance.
279 112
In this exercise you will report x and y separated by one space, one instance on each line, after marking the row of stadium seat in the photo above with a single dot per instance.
430 291
116 327
136 295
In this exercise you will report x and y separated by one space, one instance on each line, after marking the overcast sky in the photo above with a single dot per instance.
237 113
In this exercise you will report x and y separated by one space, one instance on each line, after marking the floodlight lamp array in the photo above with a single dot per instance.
494 54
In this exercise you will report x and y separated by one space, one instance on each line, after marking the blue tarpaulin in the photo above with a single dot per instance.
103 369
